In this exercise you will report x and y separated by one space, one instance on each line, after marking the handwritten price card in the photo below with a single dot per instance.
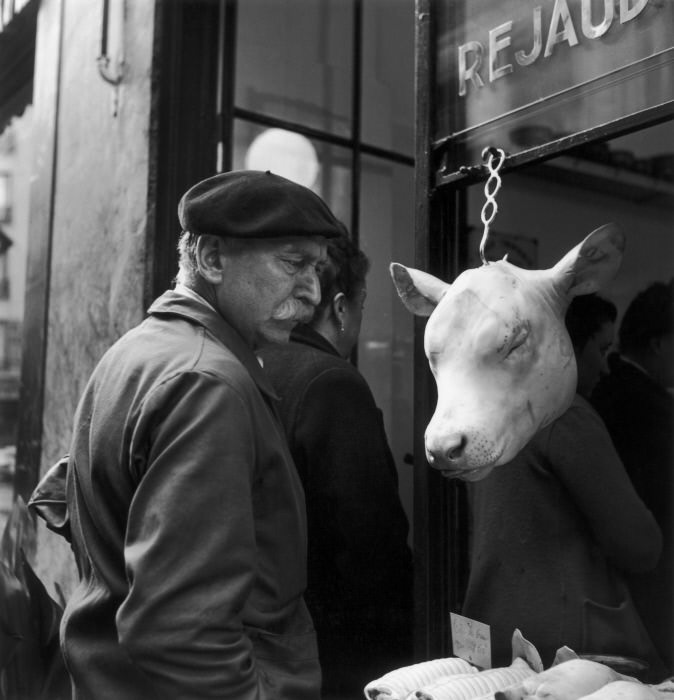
471 640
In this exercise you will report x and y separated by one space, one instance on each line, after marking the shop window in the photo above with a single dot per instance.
388 75
546 209
386 347
324 95
520 75
15 166
294 61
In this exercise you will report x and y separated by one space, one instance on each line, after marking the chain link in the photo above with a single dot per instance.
491 187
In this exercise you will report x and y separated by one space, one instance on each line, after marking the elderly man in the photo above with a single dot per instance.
187 515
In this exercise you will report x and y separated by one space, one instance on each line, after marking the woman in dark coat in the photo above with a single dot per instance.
636 403
359 565
555 530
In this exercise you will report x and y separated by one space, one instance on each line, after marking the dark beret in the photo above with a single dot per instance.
255 204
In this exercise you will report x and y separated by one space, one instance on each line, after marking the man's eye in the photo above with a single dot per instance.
294 264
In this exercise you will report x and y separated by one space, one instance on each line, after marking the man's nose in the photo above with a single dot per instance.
310 287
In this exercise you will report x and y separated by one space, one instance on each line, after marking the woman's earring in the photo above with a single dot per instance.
341 328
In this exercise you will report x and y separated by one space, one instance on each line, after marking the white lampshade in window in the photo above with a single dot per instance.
284 153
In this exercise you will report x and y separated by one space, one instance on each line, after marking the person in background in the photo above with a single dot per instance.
554 530
360 566
186 514
636 403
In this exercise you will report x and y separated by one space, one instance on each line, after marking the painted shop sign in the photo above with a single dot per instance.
561 66
501 57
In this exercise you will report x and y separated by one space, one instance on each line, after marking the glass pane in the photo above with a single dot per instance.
385 349
545 211
518 75
15 159
323 167
294 61
388 75
549 208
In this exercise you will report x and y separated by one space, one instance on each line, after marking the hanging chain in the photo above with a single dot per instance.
491 187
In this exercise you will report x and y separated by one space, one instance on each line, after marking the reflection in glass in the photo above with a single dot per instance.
385 349
546 209
15 162
294 61
285 153
388 75
554 205
516 76
332 165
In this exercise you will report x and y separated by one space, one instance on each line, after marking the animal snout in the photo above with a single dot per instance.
448 452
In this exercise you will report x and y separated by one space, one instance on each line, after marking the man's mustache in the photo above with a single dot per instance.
293 310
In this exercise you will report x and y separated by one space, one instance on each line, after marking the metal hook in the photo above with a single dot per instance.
491 152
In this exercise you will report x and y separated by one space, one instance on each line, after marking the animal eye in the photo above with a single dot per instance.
519 338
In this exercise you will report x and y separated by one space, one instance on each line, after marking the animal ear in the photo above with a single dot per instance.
419 291
592 263
523 649
564 654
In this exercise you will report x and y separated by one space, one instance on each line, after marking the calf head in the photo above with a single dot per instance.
499 350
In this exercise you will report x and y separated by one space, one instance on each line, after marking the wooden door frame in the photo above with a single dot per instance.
38 266
184 124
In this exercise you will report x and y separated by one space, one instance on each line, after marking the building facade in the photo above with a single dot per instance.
384 108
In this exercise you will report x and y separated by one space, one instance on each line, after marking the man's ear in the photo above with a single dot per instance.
419 291
209 258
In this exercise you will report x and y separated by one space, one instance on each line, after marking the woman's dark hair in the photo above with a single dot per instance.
345 270
586 315
649 315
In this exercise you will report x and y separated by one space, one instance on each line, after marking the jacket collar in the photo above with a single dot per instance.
192 308
306 335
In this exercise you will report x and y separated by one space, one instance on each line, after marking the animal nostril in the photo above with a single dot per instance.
456 452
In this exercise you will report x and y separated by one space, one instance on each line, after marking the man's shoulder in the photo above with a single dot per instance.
160 350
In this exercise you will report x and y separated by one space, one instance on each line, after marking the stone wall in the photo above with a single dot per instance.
99 223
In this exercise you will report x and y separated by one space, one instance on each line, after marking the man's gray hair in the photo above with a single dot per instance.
188 270
188 266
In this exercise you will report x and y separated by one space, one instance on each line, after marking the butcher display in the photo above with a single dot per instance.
499 351
569 678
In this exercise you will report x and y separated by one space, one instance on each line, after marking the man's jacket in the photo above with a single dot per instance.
187 522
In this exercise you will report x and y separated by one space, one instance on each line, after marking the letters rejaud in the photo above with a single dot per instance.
496 57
